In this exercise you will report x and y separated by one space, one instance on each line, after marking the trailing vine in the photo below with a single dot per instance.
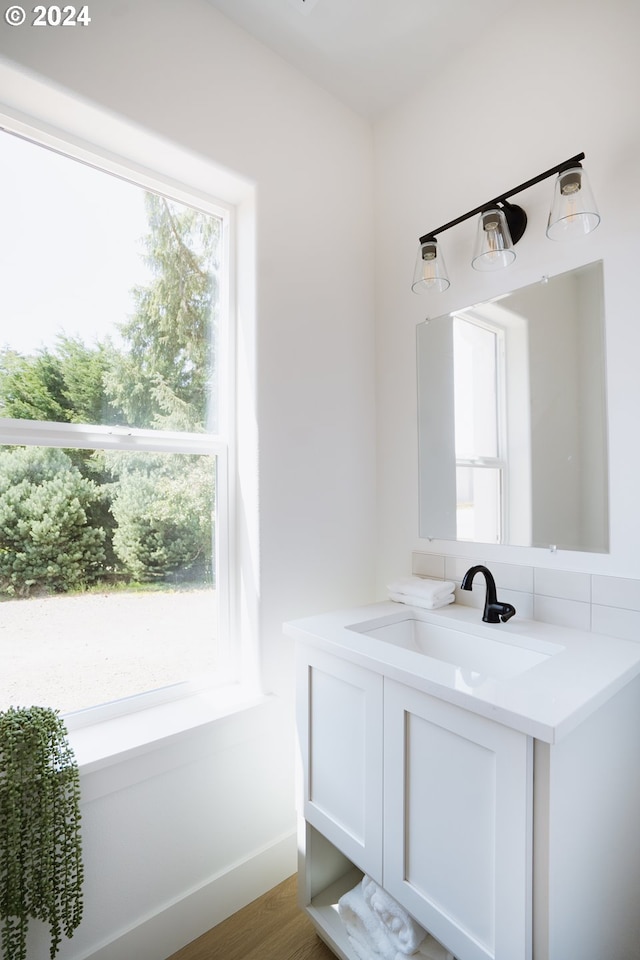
41 871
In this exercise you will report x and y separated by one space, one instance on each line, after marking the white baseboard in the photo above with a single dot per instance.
178 923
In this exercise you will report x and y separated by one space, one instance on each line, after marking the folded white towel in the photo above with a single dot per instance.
367 934
429 949
419 602
423 588
362 951
379 928
402 930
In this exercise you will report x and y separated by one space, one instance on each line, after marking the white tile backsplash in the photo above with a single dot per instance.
564 613
471 598
604 605
429 565
510 576
456 567
616 622
523 602
562 584
616 592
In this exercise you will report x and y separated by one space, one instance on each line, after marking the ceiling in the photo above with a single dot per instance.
368 53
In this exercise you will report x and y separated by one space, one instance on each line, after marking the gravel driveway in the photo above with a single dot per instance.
70 652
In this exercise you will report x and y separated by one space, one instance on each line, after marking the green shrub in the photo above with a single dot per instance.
46 540
162 508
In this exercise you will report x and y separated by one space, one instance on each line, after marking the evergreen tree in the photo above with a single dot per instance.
163 376
60 385
46 541
162 505
32 387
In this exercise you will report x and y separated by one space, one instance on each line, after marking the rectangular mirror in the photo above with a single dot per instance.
512 418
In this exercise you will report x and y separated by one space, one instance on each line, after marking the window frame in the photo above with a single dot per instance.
500 462
221 445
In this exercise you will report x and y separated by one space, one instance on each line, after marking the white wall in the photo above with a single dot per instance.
551 80
206 822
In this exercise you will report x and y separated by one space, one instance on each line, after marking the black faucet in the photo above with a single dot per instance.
494 611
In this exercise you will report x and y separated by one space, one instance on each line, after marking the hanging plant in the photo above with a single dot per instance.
41 870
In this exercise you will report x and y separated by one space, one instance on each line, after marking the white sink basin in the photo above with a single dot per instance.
538 678
477 657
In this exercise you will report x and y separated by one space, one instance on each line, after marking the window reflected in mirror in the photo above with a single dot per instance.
512 418
478 382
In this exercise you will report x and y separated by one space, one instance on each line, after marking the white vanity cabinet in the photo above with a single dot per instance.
431 801
458 801
505 840
340 733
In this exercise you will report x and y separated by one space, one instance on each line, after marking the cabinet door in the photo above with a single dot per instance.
340 731
458 815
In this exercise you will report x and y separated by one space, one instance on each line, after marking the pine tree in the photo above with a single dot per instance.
164 374
46 541
63 384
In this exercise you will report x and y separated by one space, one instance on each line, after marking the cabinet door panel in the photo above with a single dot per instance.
458 803
340 727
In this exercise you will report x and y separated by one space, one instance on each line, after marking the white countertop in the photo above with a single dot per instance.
545 701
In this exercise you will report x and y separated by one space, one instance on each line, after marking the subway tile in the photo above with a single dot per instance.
563 613
513 576
428 565
456 567
616 622
473 597
562 584
616 592
523 602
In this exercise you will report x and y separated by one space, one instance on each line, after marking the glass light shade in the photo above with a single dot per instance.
430 272
494 247
573 211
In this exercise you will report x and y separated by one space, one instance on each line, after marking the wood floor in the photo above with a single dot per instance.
271 928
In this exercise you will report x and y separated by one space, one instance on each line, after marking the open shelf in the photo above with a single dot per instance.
323 910
328 875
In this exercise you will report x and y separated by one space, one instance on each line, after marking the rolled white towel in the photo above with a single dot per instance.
423 588
363 951
429 949
419 602
364 928
403 931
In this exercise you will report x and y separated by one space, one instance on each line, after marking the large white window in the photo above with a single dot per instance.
115 432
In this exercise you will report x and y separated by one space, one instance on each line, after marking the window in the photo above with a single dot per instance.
114 433
478 352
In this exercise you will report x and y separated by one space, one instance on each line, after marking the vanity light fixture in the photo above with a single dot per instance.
494 240
573 211
430 272
501 224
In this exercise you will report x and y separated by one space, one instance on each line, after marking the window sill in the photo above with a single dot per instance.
116 740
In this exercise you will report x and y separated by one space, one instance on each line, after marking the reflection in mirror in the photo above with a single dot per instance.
512 418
